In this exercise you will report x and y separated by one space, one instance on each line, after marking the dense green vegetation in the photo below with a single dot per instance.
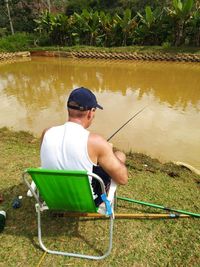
107 23
24 11
17 42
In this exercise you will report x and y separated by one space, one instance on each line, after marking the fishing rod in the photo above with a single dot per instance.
160 207
126 123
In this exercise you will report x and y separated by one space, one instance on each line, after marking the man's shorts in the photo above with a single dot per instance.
96 186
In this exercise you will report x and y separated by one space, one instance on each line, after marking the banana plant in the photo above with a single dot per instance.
193 29
149 30
149 17
60 33
45 22
180 14
88 26
124 26
182 8
106 28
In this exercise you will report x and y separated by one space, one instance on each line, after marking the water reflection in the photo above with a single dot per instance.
33 96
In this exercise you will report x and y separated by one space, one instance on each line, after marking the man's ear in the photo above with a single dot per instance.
89 114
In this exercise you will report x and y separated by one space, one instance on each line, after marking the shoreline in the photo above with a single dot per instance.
136 161
108 55
132 56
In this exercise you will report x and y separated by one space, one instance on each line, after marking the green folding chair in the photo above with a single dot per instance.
62 190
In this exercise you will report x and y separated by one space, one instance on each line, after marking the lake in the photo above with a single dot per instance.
33 94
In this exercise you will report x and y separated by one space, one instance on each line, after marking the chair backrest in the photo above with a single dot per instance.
64 190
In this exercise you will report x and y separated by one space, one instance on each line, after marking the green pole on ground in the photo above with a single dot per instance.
159 206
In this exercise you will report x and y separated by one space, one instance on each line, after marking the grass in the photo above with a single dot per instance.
136 48
158 242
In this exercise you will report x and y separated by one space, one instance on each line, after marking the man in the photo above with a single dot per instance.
71 146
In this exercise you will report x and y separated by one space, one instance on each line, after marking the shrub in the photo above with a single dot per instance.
16 42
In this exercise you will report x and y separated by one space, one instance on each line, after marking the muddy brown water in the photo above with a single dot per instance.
33 95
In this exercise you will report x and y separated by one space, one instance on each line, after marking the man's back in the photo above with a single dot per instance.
65 147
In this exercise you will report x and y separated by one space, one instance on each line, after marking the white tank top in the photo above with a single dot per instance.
65 148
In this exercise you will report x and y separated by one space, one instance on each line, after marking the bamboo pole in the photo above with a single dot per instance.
127 215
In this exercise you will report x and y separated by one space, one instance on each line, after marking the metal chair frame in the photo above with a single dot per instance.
41 206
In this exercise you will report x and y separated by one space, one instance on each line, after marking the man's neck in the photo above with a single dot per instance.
78 121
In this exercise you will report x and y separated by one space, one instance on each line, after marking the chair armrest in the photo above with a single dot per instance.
24 177
98 178
109 210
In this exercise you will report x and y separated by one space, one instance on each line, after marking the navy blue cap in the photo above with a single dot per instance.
82 99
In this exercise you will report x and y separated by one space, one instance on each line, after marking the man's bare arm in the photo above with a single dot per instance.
109 161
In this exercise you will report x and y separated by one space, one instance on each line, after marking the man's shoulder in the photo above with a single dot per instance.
96 137
97 146
49 130
97 141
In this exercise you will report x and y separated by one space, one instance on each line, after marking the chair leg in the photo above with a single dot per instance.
74 254
115 201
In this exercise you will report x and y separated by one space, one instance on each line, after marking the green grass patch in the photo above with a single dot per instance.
126 49
137 242
16 42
